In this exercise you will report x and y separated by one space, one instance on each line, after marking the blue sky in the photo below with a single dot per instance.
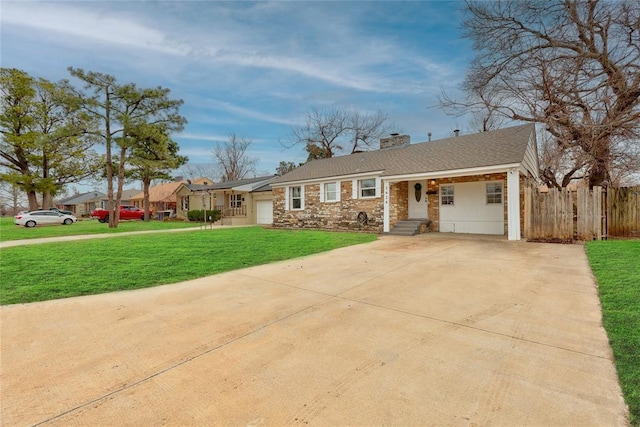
254 68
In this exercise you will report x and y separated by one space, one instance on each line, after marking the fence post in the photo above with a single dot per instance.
528 212
597 213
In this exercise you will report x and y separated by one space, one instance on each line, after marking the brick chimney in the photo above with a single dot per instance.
394 140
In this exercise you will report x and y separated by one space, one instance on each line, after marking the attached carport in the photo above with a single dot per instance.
432 330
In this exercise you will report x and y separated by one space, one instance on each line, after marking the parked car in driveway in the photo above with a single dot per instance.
33 218
126 212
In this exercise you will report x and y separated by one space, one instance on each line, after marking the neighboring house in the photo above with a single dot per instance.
242 202
124 200
463 184
81 204
162 198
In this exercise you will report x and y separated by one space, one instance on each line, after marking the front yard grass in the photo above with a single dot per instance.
616 266
66 269
11 231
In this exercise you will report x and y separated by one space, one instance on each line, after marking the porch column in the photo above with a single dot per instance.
513 200
386 207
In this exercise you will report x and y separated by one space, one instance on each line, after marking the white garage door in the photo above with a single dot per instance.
264 211
470 211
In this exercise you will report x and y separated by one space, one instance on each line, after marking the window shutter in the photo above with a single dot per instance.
322 184
338 190
354 189
302 196
286 198
378 193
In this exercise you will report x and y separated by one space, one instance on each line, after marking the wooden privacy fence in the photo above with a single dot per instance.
589 219
623 212
551 216
587 214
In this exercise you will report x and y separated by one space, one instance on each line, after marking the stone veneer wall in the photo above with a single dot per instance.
398 202
343 215
340 215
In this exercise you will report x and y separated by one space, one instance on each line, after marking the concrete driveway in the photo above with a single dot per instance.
430 330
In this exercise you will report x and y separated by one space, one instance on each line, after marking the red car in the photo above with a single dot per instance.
126 212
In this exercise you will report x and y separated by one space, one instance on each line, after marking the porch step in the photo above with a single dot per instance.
409 227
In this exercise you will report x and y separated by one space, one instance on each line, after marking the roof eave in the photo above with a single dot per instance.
453 172
327 178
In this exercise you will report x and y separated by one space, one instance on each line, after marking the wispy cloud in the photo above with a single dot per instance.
331 50
88 25
255 68
249 113
198 137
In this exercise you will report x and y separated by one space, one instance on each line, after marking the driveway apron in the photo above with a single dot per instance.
430 330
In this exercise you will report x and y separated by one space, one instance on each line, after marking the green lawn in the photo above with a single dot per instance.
616 265
65 269
11 231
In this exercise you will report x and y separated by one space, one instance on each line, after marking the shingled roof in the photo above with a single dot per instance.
248 184
499 147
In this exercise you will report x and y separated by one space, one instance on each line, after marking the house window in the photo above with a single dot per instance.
331 192
494 194
185 203
295 197
446 195
235 200
367 187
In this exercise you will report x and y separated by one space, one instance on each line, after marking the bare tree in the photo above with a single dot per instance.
232 158
194 171
480 104
12 197
327 133
573 65
558 165
366 129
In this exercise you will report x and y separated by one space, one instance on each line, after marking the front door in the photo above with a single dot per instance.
418 200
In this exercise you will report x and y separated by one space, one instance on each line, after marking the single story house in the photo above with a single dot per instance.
124 200
82 204
162 198
241 202
463 184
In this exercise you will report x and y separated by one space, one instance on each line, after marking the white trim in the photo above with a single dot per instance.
376 187
500 185
453 189
326 179
386 207
323 190
354 189
288 203
286 198
513 208
452 173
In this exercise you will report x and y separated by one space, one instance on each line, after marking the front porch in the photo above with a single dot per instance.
233 215
454 202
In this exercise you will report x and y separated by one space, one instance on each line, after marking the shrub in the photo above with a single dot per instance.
212 215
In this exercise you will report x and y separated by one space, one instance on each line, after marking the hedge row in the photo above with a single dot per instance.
212 215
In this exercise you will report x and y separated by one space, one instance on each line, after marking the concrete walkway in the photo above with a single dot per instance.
429 330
